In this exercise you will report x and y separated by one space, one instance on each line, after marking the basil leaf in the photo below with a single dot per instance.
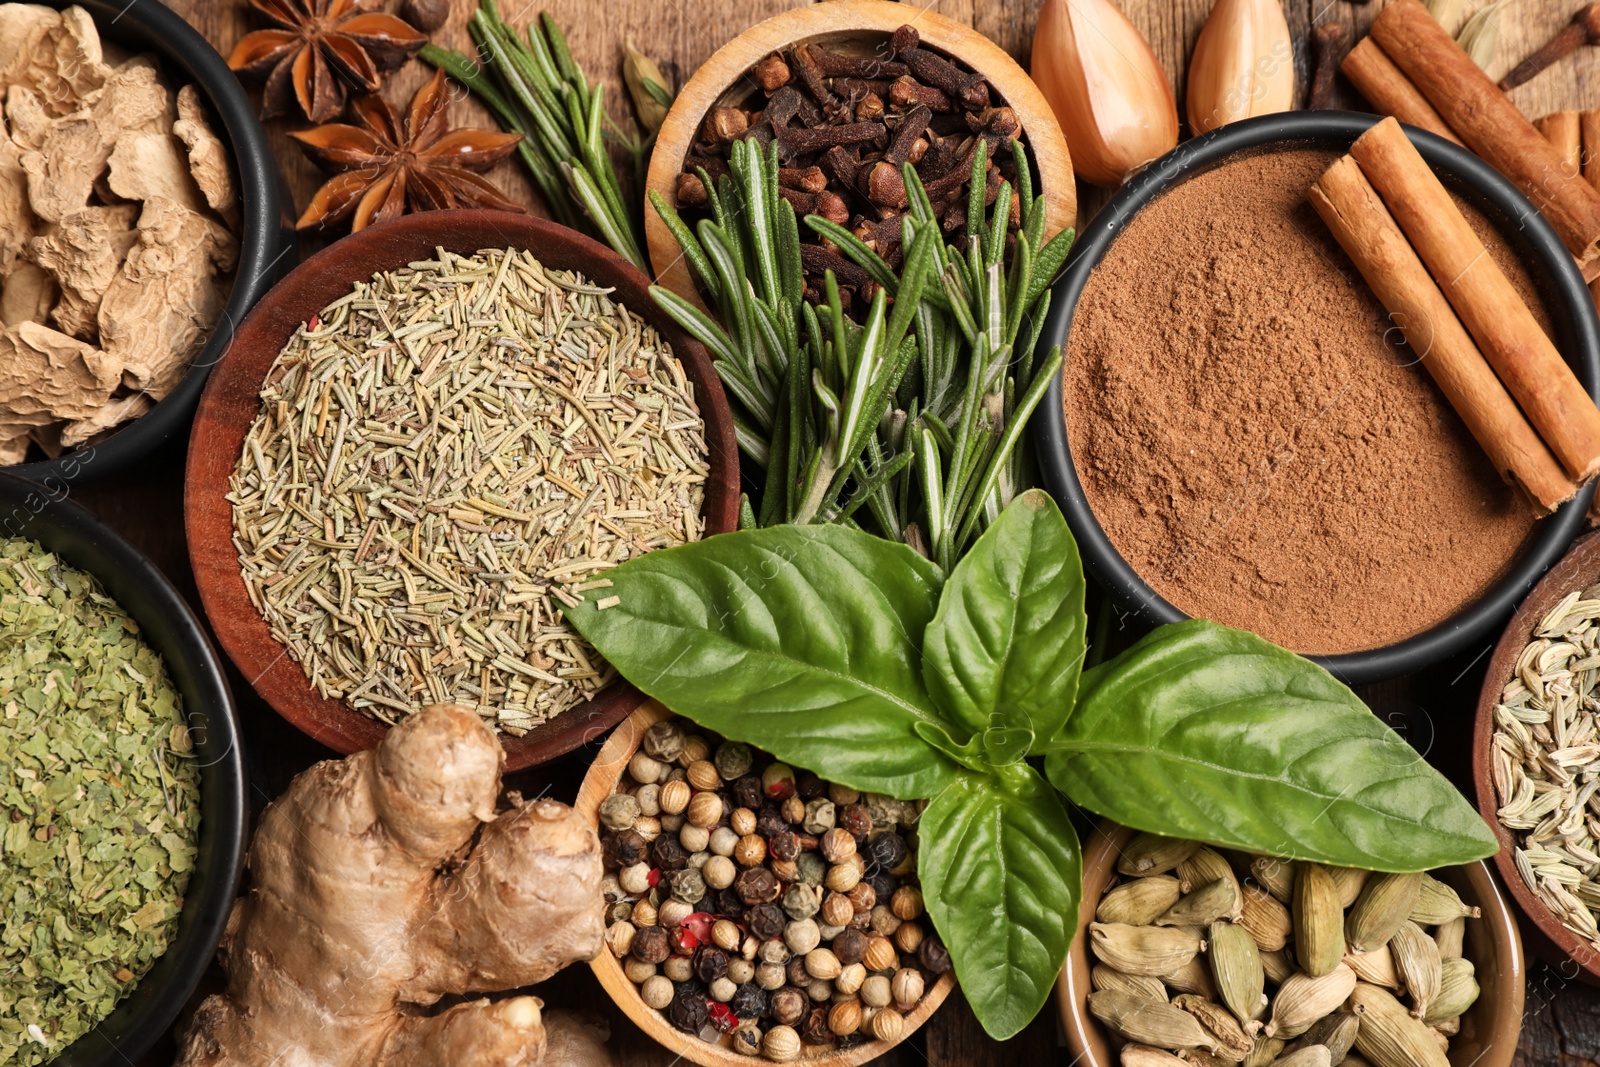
1204 732
1006 648
804 640
1001 872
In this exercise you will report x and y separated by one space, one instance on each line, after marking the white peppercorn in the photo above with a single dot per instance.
637 970
719 872
746 1039
875 991
611 888
741 970
694 838
678 968
671 823
635 880
672 913
884 921
781 1045
723 840
850 978
770 976
644 769
656 992
802 936
619 811
775 952
831 932
722 990
820 990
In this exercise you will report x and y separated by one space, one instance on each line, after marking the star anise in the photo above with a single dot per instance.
385 165
320 51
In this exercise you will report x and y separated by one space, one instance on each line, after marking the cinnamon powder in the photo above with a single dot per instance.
1251 440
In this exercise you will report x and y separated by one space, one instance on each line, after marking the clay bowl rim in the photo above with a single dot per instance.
598 783
264 244
230 403
1562 578
1086 1038
834 21
171 627
1546 258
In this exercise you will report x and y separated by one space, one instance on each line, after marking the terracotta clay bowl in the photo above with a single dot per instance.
1489 1029
1550 940
857 27
601 781
232 400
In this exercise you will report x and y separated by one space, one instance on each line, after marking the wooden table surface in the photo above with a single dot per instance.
1562 1021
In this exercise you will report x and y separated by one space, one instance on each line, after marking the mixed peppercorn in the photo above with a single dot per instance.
746 899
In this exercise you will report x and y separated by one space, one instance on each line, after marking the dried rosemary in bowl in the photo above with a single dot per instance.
1547 762
442 456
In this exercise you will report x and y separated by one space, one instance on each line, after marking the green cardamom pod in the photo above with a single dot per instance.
1146 950
1236 969
1139 985
1348 882
1139 902
1145 1056
1149 1022
1388 1035
1263 1052
1437 904
1267 920
1211 902
1416 957
1310 1056
1232 1041
1193 977
1450 937
1154 854
1318 921
1274 875
1206 866
1376 967
1458 991
1385 902
1279 965
1336 1033
1305 998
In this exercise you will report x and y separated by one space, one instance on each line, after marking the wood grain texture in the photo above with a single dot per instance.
1562 1020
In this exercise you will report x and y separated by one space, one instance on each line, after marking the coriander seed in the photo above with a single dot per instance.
671 913
822 963
837 845
880 955
837 910
908 937
906 902
726 936
703 776
781 1045
704 810
743 822
906 986
888 1025
750 851
844 1018
675 796
793 810
644 913
850 979
619 938
786 870
695 749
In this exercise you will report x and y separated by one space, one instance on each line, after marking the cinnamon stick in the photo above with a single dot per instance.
1589 134
1507 334
1389 91
1490 124
1564 131
1368 233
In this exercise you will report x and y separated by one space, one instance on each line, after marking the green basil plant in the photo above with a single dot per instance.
856 658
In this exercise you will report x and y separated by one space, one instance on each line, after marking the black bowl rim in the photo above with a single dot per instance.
166 621
1560 283
264 242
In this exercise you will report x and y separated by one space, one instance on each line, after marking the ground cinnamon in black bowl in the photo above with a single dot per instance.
1252 441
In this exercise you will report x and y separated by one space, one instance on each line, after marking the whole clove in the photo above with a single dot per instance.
771 73
908 92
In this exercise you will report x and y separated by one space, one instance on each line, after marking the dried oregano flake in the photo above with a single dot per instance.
100 806
443 457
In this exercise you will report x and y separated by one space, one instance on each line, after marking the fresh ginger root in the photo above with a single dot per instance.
385 881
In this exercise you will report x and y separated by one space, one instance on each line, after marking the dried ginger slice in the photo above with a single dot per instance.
118 411
26 115
46 376
26 294
13 445
208 159
22 29
17 221
61 61
166 296
83 253
152 166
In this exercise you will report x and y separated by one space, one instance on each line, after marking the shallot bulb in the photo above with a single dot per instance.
1106 87
1243 65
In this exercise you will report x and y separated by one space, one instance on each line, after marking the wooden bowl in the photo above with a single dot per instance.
232 400
1489 1029
855 26
601 782
1550 940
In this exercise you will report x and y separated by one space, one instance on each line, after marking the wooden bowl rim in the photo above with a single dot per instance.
1486 1048
599 783
230 402
1565 575
1041 133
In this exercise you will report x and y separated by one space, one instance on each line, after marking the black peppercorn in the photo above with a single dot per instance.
766 921
784 846
710 963
815 1031
888 851
933 956
757 885
796 971
856 819
810 787
688 1010
850 946
669 853
707 904
747 792
749 1001
651 945
770 822
882 882
623 849
729 904
789 1006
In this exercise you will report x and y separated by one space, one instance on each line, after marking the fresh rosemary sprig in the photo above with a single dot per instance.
534 88
913 414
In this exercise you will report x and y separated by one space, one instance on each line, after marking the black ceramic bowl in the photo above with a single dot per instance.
165 621
1577 334
266 244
